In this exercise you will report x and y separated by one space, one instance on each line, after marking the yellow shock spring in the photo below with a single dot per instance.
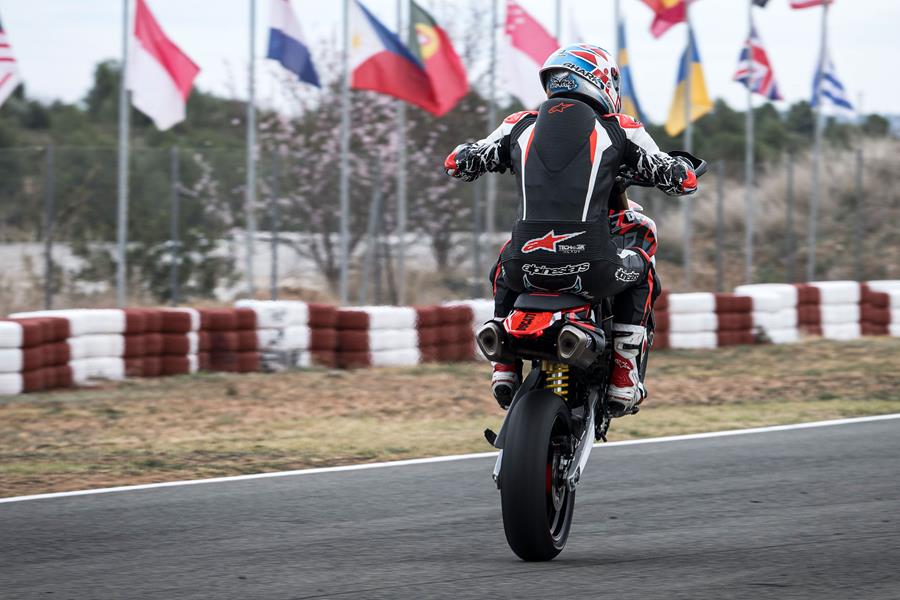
557 378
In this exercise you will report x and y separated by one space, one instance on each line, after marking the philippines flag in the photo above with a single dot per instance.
159 74
527 45
9 73
287 44
755 70
380 62
829 91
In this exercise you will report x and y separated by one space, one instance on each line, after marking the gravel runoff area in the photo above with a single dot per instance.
212 425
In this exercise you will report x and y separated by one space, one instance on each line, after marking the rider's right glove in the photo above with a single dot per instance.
687 178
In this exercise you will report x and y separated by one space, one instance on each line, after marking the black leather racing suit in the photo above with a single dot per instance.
565 157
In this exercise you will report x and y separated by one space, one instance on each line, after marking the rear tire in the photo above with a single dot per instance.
537 510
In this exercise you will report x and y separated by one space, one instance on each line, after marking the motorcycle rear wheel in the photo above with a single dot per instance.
537 505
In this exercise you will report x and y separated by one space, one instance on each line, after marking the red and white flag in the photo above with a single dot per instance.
9 72
159 74
809 3
526 46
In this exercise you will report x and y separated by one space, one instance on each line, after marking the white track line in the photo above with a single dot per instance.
439 459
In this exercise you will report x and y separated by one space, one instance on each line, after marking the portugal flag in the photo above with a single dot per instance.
431 46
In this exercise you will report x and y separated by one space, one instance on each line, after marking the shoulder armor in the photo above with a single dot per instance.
516 117
625 122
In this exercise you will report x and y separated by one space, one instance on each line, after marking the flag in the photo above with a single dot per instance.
700 102
380 62
754 69
287 43
431 46
526 46
9 72
158 74
666 14
630 104
809 3
829 91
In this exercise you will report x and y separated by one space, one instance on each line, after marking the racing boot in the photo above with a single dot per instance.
626 390
504 383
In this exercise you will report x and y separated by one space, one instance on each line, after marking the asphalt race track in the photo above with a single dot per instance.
808 513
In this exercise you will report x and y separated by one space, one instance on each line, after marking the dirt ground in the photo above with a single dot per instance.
216 424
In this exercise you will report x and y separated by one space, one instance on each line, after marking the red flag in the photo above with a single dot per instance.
527 45
809 3
159 74
432 46
667 13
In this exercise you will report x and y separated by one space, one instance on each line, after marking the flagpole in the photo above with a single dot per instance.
250 192
401 180
124 122
688 144
817 152
345 158
748 152
559 22
492 121
617 15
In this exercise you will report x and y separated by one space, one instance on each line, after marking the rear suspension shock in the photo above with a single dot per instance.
557 378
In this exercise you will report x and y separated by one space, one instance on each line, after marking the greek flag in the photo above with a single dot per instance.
829 91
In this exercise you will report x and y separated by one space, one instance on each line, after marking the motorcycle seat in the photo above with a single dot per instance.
549 302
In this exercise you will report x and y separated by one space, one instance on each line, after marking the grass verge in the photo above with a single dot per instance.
214 424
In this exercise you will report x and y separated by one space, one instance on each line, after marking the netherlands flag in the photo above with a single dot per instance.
380 62
287 44
755 70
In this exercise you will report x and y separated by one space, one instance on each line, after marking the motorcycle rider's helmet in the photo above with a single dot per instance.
583 72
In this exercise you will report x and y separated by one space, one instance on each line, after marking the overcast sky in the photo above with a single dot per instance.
58 43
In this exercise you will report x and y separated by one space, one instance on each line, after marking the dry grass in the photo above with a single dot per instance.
212 425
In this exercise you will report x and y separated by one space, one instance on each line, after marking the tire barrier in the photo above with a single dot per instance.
293 334
61 348
34 355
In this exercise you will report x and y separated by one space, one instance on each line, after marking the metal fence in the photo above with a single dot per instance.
186 223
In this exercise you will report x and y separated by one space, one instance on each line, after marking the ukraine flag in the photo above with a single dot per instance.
630 104
700 102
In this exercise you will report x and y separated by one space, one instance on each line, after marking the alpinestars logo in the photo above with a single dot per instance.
562 271
627 275
548 242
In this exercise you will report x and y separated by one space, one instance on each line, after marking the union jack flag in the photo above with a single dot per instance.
9 73
755 70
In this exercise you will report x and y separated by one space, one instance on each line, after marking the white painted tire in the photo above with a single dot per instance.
277 314
785 291
884 285
789 335
842 332
11 360
693 340
100 345
839 314
294 337
11 384
696 302
838 292
86 369
692 322
10 334
396 358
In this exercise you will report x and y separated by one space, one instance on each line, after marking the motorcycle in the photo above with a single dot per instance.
560 409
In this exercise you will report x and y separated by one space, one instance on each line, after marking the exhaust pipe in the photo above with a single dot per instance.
492 341
578 347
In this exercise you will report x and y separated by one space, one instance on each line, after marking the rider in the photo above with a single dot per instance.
566 156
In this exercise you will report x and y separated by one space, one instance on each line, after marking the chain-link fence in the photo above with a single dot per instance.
187 219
